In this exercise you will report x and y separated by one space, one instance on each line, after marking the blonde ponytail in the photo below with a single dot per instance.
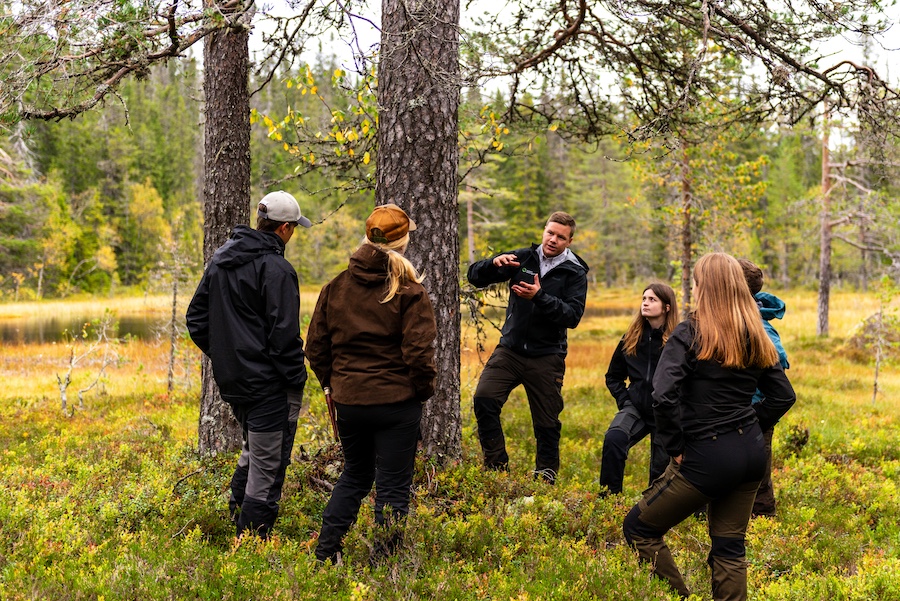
400 270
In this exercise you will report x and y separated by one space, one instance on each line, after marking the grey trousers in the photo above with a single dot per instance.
269 428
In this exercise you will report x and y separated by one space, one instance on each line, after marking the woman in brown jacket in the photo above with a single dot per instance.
371 341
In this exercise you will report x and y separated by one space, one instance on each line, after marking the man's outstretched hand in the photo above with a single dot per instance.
504 260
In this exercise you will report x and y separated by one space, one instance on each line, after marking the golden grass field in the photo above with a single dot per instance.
592 343
29 372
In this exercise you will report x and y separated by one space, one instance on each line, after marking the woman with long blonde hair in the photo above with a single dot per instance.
371 341
707 375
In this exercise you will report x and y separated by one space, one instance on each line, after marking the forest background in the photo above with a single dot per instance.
108 203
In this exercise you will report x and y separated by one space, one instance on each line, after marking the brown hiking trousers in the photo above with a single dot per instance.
727 470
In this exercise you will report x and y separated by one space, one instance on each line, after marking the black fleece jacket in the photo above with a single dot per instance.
638 369
537 327
699 399
245 315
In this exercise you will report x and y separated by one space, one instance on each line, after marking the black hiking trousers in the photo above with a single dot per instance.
542 378
628 428
379 443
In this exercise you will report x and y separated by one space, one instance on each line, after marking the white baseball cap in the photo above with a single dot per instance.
281 206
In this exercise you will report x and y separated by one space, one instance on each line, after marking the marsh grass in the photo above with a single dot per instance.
113 502
144 305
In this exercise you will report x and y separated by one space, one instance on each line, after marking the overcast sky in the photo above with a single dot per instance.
885 52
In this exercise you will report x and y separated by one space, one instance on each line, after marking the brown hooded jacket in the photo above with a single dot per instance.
366 351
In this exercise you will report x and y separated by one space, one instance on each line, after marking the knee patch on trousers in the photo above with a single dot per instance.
265 451
487 415
486 406
616 437
727 547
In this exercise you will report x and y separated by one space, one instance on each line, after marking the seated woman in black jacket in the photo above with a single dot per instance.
635 360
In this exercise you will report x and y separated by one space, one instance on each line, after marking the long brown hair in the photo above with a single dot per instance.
635 330
728 326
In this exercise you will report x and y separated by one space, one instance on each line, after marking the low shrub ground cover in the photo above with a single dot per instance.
113 502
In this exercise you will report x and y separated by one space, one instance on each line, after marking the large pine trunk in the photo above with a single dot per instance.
226 195
418 96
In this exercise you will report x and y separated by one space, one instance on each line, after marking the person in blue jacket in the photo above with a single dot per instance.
548 290
634 361
770 307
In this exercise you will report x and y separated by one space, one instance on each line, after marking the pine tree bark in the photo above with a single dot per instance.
418 98
226 195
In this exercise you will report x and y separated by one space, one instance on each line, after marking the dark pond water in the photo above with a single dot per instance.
58 329
144 327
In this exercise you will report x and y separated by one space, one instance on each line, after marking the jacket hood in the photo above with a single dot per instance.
368 265
770 306
246 244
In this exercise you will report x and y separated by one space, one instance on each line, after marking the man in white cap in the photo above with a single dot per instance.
245 315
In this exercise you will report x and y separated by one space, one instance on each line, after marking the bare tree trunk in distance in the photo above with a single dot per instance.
226 195
863 253
417 162
825 235
879 349
173 332
783 264
687 242
470 230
